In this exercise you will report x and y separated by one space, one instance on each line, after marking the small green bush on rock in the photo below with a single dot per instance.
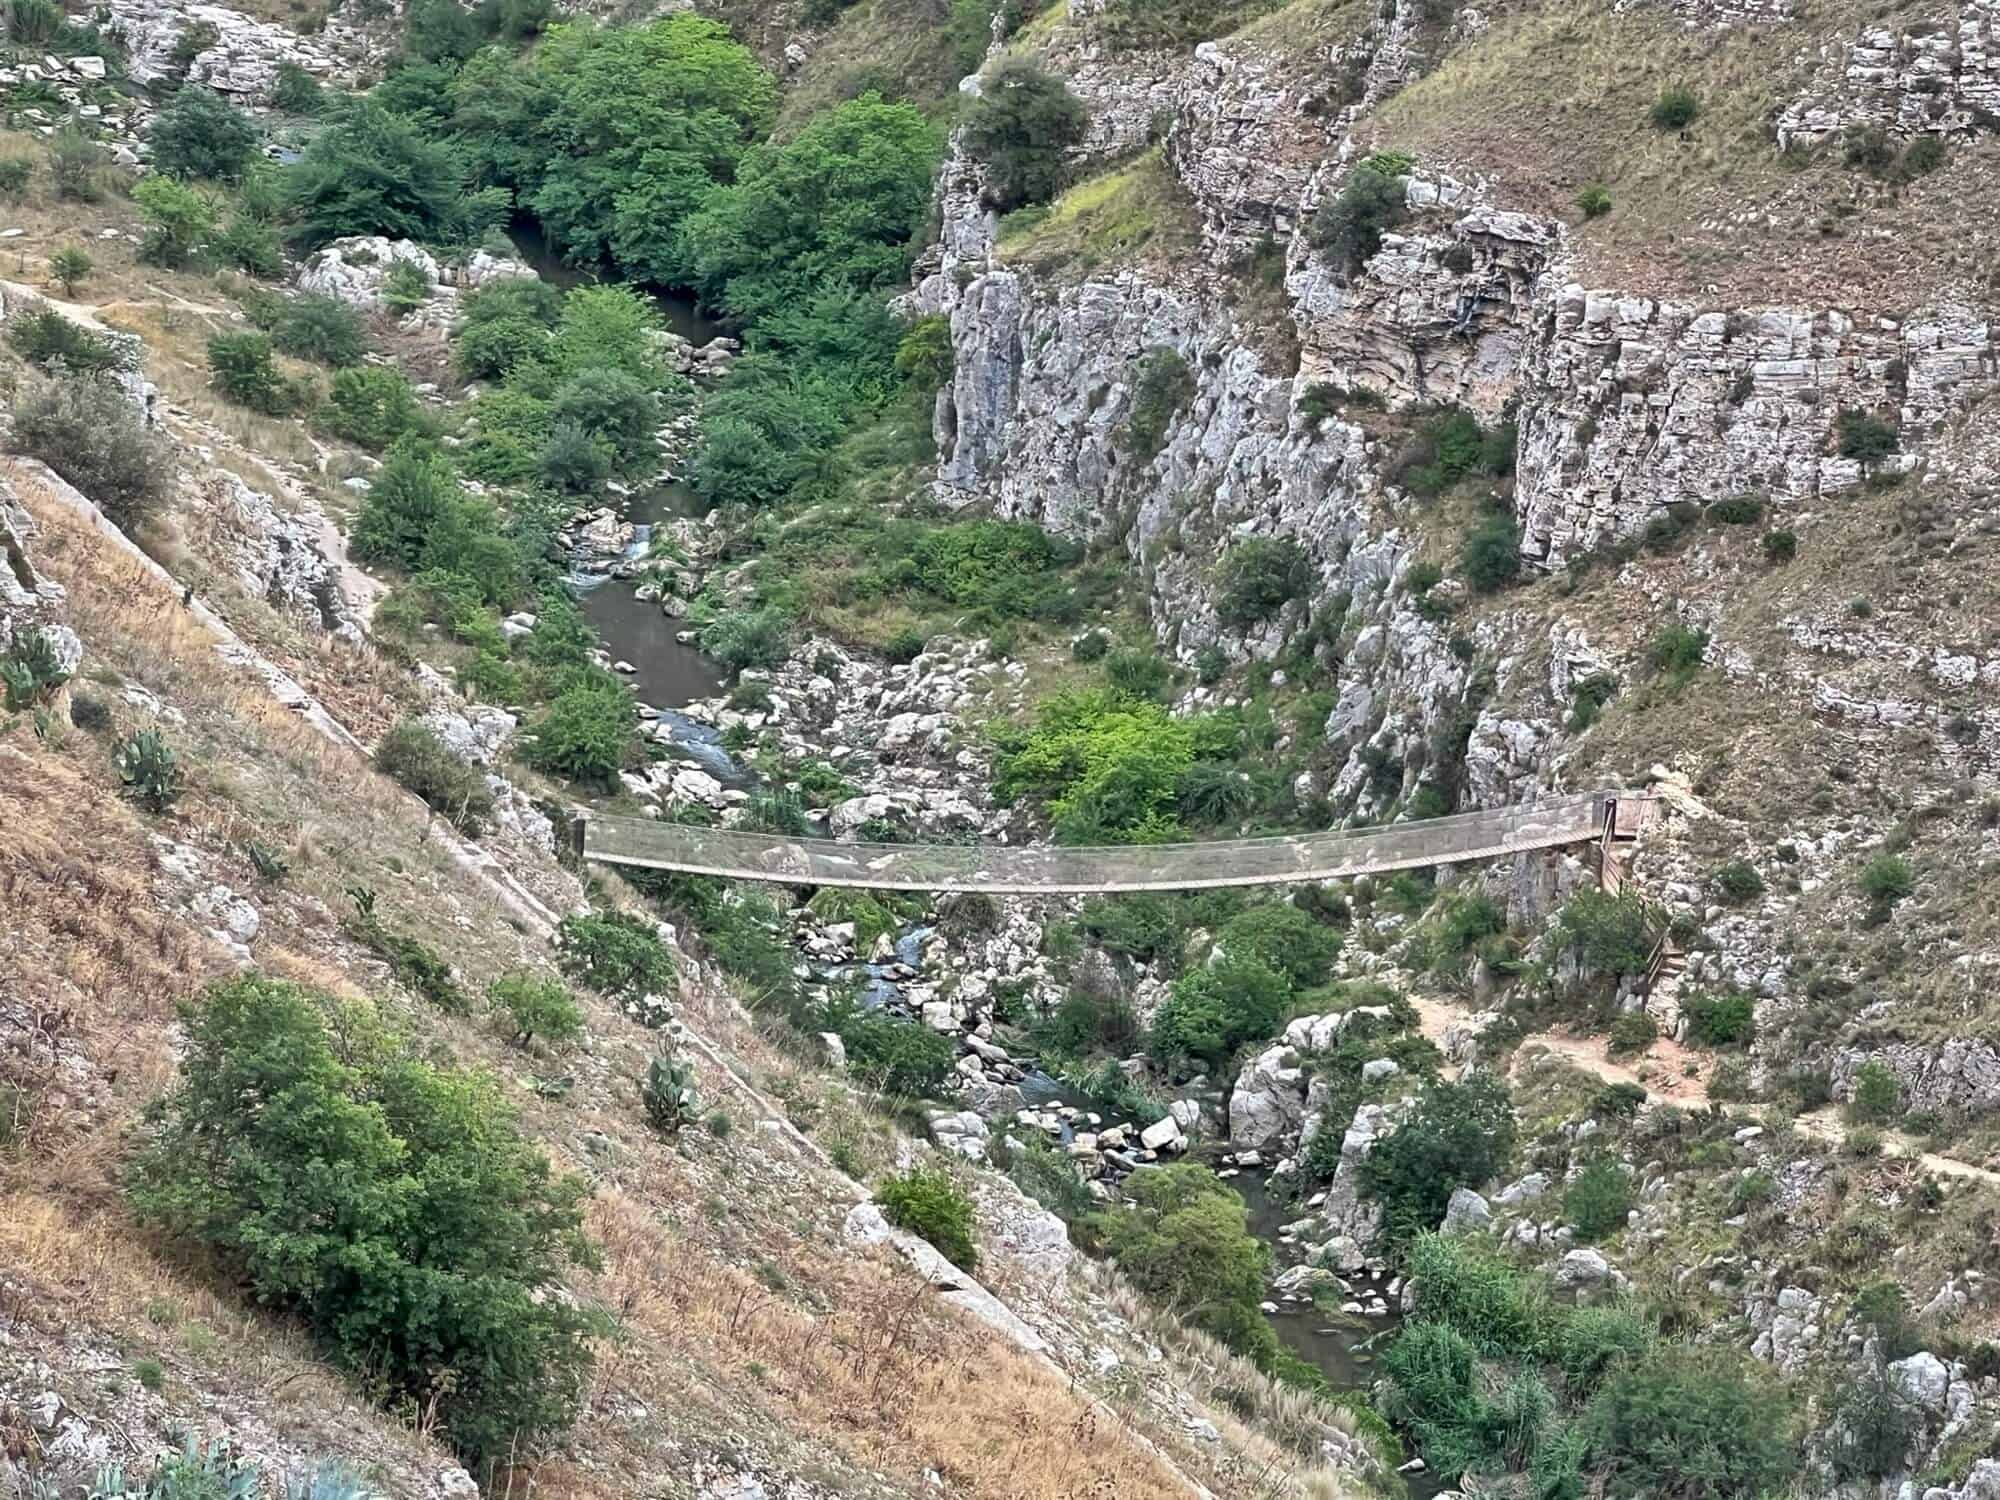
620 956
928 1203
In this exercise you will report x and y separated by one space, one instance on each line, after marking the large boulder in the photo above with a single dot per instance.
354 270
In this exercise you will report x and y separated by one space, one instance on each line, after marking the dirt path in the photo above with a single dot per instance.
1662 1071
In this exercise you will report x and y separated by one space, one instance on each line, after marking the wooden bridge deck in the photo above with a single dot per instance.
1032 869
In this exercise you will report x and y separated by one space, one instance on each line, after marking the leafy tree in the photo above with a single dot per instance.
1106 765
615 137
1458 1135
616 953
609 327
201 134
323 329
70 266
1598 1199
413 755
611 408
424 1263
1184 1239
295 91
584 734
924 354
1350 226
1021 128
1877 1095
1208 1014
573 462
838 203
1285 937
375 172
178 219
1491 555
409 500
896 1057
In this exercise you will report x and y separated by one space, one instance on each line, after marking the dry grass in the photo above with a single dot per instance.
1553 98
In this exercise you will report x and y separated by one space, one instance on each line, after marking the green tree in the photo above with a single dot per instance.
412 494
1184 1239
1691 1423
240 367
201 134
838 203
1021 128
373 406
537 1008
1350 225
1107 766
615 137
69 266
376 172
616 953
585 734
614 409
1459 1135
1208 1014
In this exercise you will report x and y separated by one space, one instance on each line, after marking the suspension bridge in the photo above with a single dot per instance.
1602 820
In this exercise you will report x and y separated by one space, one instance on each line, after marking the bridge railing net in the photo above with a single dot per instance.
1023 868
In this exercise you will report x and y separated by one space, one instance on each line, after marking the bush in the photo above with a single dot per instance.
1458 1135
1923 156
1874 1424
896 1057
1490 557
1676 108
201 134
15 172
1597 1200
931 1206
1282 937
250 245
406 288
149 769
1208 1014
1021 127
1634 1031
1161 387
537 1008
1138 673
616 953
1090 646
295 91
1259 577
740 638
1106 766
240 367
376 172
1737 510
1594 202
49 341
372 406
1350 226
88 432
584 734
412 755
1690 1412
1607 934
179 221
69 267
572 462
1887 879
1780 546
1864 436
924 353
615 409
424 1264
1676 652
75 161
488 349
1876 1097
322 329
1736 881
1727 1019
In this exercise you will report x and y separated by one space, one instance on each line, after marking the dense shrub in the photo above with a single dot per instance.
1887 879
1597 1200
924 353
895 1057
372 406
1692 1421
1675 108
1350 225
87 430
75 164
1107 766
49 341
424 1264
1676 652
1736 881
585 733
1877 1094
250 245
1594 202
613 408
295 91
376 172
1458 1135
1448 446
928 1203
179 221
1605 934
323 329
15 173
1726 1018
1162 384
201 134
1780 546
1875 1423
1737 510
241 369
1021 128
1864 436
1183 1239
1259 577
616 953
536 1007
1490 556
406 288
747 638
1634 1031
413 755
1211 1012
69 267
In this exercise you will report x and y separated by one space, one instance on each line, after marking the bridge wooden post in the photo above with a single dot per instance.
579 827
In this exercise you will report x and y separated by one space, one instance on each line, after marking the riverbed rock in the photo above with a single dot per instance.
1163 1135
1466 1211
355 269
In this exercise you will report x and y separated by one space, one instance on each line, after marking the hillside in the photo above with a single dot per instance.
1118 423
